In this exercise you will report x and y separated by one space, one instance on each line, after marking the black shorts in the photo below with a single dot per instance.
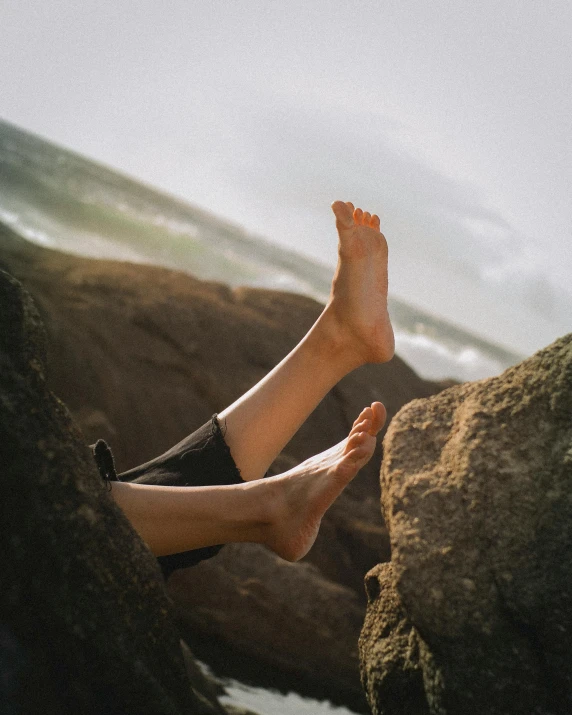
201 459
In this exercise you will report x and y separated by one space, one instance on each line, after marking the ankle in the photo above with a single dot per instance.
335 344
269 496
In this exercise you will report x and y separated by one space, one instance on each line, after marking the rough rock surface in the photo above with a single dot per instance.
143 356
474 612
85 621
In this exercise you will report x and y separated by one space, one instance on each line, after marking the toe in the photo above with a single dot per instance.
365 414
358 216
365 425
343 214
355 440
379 414
375 223
366 218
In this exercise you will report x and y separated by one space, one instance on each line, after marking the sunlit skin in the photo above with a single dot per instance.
353 329
311 488
358 300
284 512
281 512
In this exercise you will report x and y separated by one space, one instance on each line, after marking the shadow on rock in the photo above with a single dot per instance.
85 622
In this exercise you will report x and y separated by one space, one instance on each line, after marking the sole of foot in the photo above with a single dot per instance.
305 493
358 300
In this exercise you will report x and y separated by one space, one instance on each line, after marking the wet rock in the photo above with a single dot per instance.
474 613
85 621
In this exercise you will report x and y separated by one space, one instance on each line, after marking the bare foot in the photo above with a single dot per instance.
304 493
358 300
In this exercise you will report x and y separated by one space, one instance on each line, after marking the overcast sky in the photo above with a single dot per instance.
453 120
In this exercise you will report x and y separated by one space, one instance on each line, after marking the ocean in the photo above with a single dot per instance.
61 200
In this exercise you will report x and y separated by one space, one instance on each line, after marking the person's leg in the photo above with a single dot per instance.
353 329
282 512
200 459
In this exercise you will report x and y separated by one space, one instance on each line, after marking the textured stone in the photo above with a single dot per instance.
477 496
85 621
389 650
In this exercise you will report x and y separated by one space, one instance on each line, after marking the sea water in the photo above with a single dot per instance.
58 199
271 702
268 701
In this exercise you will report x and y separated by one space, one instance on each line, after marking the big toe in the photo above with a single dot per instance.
379 417
344 213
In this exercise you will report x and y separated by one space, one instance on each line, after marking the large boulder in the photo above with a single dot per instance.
143 356
474 612
85 622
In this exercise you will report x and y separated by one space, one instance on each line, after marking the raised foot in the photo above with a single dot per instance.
303 495
357 308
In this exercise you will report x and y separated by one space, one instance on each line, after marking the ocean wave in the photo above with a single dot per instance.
60 200
12 219
435 361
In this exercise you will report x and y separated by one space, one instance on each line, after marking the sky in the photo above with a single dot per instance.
452 120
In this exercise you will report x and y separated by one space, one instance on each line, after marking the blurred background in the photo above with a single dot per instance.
451 120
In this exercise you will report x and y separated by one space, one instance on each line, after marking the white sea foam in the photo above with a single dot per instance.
8 217
271 702
12 219
435 360
179 228
267 701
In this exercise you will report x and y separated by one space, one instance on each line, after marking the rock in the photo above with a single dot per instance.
247 589
85 621
474 613
205 688
392 676
143 356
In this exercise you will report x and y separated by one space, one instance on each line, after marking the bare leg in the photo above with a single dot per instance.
282 512
353 329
